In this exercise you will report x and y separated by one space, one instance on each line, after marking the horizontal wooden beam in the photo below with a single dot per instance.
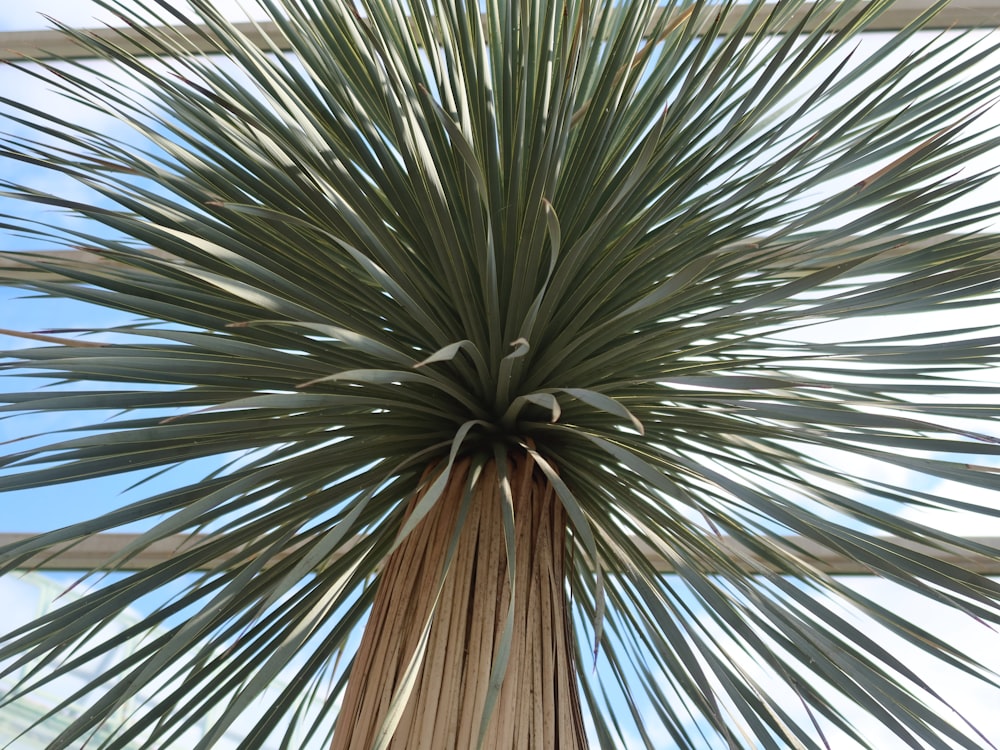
47 43
13 270
93 553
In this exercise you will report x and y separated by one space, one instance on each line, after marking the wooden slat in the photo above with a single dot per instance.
46 43
93 552
16 270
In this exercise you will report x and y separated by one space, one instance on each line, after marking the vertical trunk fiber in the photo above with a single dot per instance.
538 706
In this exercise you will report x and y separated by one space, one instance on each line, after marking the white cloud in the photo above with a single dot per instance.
975 700
21 602
30 14
24 598
957 522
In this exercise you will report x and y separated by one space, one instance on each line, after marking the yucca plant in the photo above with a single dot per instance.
481 312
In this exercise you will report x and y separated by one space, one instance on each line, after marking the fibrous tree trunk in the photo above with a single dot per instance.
538 704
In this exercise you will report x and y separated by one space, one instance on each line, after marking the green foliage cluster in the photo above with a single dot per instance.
593 231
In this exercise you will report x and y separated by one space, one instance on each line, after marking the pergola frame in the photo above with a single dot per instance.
46 44
94 552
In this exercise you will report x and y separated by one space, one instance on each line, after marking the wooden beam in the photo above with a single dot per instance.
47 44
19 46
14 270
92 553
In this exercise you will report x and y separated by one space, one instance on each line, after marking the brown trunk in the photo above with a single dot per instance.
538 706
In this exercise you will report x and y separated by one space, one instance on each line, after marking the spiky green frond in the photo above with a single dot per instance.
592 231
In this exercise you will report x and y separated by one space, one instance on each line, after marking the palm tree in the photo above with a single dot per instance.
477 312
